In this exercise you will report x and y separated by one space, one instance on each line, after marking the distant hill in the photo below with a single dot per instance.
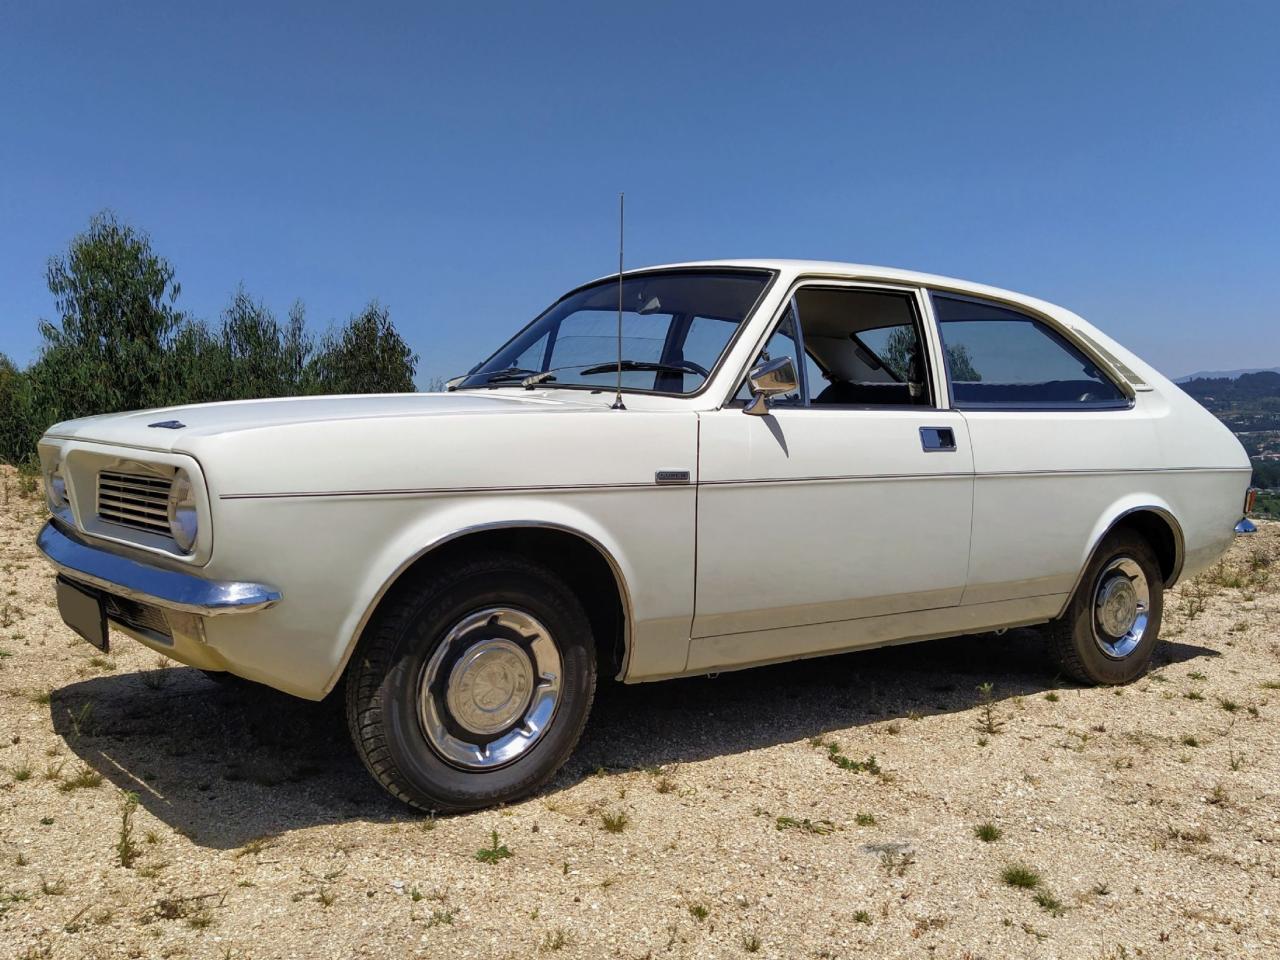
1249 405
1224 374
1240 388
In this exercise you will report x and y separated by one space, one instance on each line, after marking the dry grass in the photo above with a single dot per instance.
742 806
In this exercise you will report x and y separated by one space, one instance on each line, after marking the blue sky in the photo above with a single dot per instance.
462 163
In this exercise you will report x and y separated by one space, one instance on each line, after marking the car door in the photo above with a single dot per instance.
846 502
1057 445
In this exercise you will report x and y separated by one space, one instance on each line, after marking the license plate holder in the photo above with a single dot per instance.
83 611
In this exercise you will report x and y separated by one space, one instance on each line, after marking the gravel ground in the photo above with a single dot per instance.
699 818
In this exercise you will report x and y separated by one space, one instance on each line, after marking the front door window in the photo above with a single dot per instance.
861 348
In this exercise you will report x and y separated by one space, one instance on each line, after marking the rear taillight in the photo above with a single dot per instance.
1250 498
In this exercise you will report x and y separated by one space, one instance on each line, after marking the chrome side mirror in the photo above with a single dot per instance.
769 379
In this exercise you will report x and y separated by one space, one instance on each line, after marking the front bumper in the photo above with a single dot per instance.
168 589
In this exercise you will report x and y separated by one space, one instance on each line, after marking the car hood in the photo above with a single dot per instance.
170 428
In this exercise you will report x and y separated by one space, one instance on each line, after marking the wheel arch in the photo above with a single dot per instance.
1156 523
586 563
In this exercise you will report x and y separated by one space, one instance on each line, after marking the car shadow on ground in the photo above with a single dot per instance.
224 764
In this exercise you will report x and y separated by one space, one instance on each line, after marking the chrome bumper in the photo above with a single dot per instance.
125 577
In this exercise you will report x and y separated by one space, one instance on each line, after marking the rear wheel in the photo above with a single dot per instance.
1112 623
472 685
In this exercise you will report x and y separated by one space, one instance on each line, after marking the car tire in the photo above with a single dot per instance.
472 684
1122 586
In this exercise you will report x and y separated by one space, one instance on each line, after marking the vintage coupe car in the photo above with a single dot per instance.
682 470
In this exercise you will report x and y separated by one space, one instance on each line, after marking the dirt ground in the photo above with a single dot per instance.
700 818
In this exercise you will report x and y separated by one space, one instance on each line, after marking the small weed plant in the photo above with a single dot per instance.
495 851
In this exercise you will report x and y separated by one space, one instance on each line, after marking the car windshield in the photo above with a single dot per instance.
675 326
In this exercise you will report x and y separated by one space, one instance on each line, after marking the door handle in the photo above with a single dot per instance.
937 439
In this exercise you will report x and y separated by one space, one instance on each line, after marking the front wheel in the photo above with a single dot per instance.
472 685
1112 623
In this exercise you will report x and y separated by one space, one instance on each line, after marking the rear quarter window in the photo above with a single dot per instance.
998 358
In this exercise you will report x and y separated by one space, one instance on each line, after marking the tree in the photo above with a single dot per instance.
18 433
897 356
196 364
897 350
115 299
119 343
368 355
260 356
961 364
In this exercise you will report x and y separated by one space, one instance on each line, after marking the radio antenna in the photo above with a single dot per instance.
617 397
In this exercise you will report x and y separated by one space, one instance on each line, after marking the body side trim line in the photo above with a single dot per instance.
1107 471
441 491
854 478
596 487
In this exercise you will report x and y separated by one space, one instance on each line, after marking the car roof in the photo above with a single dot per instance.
865 271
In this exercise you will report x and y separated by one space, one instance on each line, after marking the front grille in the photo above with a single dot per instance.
139 616
136 500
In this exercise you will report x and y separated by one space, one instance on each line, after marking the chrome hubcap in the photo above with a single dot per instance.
491 688
1121 601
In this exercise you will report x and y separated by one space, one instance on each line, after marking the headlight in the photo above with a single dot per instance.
56 489
183 522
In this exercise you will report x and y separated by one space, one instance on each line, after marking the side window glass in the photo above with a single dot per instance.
1000 358
868 344
781 344
896 347
815 378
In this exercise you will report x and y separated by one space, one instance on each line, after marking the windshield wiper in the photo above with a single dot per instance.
511 373
645 365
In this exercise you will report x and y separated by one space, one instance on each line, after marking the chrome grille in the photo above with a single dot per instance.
136 500
139 616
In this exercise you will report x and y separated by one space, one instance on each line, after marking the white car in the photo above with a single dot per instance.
688 469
